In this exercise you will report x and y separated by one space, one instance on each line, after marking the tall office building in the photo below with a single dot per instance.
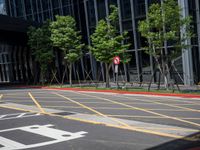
87 14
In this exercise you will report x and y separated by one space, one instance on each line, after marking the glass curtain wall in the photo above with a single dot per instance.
2 7
88 12
15 64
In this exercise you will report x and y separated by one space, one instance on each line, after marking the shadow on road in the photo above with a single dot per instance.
191 142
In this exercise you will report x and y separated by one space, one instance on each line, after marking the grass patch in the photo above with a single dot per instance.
131 89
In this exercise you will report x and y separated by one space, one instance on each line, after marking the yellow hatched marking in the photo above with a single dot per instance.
16 97
109 125
152 117
191 101
174 106
47 106
158 102
132 116
95 111
125 126
188 104
141 109
36 103
166 109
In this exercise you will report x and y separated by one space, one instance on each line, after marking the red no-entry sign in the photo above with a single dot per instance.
116 60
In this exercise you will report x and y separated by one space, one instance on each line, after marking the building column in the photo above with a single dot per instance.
138 61
3 78
10 63
187 52
24 10
127 74
61 7
198 24
32 11
41 6
15 8
92 60
97 20
38 16
51 10
9 5
80 27
151 57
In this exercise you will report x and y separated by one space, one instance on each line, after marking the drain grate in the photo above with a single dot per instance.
64 113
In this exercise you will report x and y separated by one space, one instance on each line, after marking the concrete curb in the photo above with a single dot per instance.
118 92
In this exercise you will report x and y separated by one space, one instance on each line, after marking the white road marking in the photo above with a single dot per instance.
43 130
18 115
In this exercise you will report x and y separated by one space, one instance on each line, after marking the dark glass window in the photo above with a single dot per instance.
66 10
91 13
45 4
12 7
55 3
101 9
139 7
35 10
28 7
56 12
112 2
65 2
126 9
19 8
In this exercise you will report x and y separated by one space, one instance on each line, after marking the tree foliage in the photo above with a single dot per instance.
162 28
107 42
41 46
65 36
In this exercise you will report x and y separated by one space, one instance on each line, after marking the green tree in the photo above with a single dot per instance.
107 42
162 28
65 36
41 46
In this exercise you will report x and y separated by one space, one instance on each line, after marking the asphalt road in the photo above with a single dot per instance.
73 120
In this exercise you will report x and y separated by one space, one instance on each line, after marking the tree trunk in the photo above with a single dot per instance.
107 75
70 74
63 77
42 76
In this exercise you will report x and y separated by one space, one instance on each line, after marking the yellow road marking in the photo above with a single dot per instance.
16 97
1 96
95 111
188 104
132 116
125 126
47 106
152 117
149 102
109 125
141 109
36 103
180 101
166 109
15 108
174 105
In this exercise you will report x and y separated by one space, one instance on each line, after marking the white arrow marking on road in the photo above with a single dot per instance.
43 130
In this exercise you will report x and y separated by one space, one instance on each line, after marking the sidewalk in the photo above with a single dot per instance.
182 95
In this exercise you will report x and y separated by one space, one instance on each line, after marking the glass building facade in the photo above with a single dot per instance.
2 7
87 14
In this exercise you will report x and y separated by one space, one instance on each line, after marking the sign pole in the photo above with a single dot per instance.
116 74
116 61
